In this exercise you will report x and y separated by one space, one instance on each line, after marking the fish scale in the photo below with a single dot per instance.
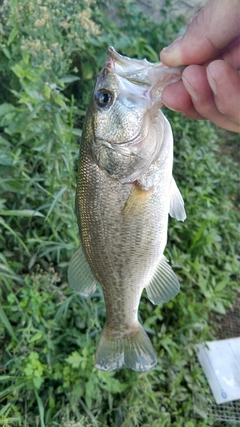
125 192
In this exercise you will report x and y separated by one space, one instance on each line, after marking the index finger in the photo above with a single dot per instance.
212 30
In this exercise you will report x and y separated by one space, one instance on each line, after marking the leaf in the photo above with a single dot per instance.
58 196
47 91
219 307
69 79
14 234
11 389
23 212
12 35
58 125
7 324
34 94
62 309
59 99
5 408
75 359
40 408
6 377
199 234
87 70
11 185
152 53
6 108
5 159
221 285
6 52
37 381
36 337
77 132
18 70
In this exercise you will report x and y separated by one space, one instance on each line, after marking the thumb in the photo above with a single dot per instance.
212 30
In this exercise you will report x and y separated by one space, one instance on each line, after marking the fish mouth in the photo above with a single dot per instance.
155 76
119 63
127 159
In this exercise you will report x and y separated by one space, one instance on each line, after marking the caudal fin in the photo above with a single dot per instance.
132 349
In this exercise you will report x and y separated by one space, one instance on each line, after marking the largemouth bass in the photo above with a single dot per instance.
125 192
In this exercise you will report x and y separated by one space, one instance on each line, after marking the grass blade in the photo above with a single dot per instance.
21 212
40 407
59 194
7 324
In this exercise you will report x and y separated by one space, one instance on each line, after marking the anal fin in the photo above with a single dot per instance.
164 284
80 275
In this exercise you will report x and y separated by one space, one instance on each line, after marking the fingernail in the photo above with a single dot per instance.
172 45
191 90
212 82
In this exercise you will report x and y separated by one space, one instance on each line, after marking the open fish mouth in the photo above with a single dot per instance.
155 76
128 94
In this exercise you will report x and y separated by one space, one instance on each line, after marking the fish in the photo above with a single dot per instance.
125 193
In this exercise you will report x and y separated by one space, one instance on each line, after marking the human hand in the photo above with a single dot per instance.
210 49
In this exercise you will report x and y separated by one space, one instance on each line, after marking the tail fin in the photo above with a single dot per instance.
132 349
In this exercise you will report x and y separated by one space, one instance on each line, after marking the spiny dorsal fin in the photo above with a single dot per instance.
176 209
164 284
80 275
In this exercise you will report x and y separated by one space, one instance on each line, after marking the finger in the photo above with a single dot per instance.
212 30
176 97
232 54
224 80
197 84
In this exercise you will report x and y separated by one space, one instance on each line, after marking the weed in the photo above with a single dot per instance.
48 334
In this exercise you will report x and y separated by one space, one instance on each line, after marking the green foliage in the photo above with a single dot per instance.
45 32
48 334
38 150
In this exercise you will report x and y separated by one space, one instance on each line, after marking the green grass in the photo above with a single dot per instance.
48 334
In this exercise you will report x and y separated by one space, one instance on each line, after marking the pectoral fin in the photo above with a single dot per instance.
137 200
176 209
164 284
80 275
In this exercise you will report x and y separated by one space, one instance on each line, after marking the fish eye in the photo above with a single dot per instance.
103 98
